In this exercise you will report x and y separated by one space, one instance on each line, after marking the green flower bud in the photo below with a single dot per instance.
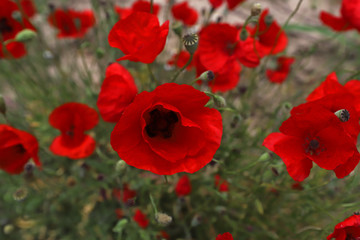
100 53
177 28
243 34
219 101
120 166
207 76
264 157
268 20
191 42
25 35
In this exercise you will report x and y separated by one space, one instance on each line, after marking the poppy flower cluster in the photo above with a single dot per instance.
10 26
184 13
117 91
126 195
140 219
323 131
73 119
168 130
280 74
347 229
139 36
71 23
138 6
17 147
348 19
183 186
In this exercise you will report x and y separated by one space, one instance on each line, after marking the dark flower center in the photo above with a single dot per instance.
230 48
5 26
312 146
349 237
19 148
161 122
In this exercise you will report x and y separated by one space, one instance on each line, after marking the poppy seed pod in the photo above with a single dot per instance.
191 42
256 9
343 115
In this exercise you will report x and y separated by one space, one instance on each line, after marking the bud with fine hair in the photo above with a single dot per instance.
191 42
219 101
25 35
120 166
255 9
163 219
207 76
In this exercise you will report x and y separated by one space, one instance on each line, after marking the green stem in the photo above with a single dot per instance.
153 204
173 79
151 6
152 77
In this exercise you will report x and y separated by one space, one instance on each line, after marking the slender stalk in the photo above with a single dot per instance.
173 79
151 6
152 77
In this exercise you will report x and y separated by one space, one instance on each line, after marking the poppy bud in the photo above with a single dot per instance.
8 228
2 105
243 34
177 28
264 157
100 53
219 101
17 16
191 42
120 166
268 20
25 35
255 9
163 219
207 76
343 115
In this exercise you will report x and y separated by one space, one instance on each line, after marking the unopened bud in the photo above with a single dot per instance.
17 16
191 42
255 9
219 101
207 76
264 157
163 219
2 105
120 166
268 20
343 115
25 35
177 28
8 228
100 53
243 34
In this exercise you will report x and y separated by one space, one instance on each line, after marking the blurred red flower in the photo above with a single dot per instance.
9 27
220 46
280 74
71 23
347 229
313 134
348 20
119 213
225 79
183 186
272 39
181 59
163 235
168 130
16 148
125 194
184 13
297 186
225 236
139 6
28 8
221 184
117 91
231 3
139 36
141 219
73 119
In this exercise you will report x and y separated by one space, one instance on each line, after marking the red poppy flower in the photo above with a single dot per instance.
347 229
297 186
119 213
225 236
139 6
221 184
73 119
183 187
348 20
9 27
216 3
139 37
231 3
220 45
313 134
28 7
184 13
272 39
125 195
16 148
168 130
141 219
280 74
180 60
117 91
70 23
163 235
225 79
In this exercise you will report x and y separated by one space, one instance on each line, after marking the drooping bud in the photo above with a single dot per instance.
177 28
2 105
255 9
17 16
219 101
343 115
243 34
163 219
207 76
191 42
25 35
268 20
120 166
